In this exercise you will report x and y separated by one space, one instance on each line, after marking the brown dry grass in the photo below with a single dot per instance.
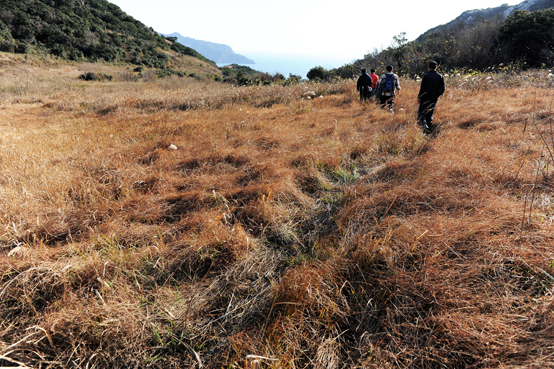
283 232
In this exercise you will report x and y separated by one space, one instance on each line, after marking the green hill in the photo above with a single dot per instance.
83 30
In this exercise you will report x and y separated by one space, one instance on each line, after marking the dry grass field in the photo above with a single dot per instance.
181 223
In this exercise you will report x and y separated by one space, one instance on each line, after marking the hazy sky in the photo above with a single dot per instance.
343 29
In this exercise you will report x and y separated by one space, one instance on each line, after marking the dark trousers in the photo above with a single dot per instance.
425 116
387 100
426 111
365 93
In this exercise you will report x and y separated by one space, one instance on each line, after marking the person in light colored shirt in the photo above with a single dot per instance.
389 86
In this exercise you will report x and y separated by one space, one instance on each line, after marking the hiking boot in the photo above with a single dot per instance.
431 127
431 130
424 126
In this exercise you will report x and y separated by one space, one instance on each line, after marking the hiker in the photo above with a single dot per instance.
364 86
432 87
374 78
388 85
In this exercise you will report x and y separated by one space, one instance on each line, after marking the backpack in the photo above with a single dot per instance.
389 83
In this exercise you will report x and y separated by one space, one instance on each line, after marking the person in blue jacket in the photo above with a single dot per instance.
432 87
388 88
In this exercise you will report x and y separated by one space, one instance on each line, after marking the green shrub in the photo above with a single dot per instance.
294 78
90 76
22 48
169 72
75 54
7 43
243 80
318 74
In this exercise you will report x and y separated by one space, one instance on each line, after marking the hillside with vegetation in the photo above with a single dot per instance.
185 223
85 30
476 16
478 41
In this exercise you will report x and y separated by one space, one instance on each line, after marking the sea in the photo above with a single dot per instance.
298 65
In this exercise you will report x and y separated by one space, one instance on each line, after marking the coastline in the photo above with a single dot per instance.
290 64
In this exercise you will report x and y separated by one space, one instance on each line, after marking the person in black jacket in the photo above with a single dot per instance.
432 87
364 86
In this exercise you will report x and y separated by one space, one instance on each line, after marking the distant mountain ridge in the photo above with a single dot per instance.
220 53
476 15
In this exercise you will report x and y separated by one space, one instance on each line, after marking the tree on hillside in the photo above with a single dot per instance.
318 73
476 47
529 37
403 55
406 57
473 46
345 72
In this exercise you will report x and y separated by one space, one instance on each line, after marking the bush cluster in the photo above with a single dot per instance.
169 72
90 76
245 76
321 74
